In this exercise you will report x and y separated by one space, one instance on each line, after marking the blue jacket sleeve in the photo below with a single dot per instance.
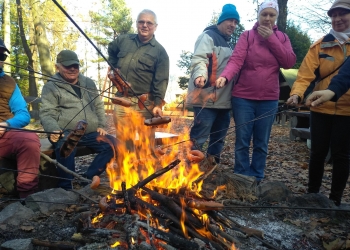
340 83
18 107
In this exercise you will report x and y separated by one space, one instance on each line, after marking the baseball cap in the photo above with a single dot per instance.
67 57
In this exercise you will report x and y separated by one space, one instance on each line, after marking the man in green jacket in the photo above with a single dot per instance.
67 98
144 64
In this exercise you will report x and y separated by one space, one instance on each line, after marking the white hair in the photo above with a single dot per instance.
150 12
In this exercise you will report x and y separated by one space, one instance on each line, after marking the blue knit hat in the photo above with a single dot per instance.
228 11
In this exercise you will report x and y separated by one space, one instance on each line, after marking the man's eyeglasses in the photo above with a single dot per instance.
3 57
75 66
148 23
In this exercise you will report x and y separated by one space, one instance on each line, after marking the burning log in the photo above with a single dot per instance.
173 240
126 198
174 208
157 174
155 211
217 231
132 230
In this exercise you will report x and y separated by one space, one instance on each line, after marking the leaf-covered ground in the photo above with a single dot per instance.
287 162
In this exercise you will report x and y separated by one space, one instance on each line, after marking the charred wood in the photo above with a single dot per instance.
173 239
157 174
126 198
175 208
55 245
218 231
132 230
160 213
247 230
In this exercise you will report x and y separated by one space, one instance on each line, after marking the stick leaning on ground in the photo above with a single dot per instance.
94 183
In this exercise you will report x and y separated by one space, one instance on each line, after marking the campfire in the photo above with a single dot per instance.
156 197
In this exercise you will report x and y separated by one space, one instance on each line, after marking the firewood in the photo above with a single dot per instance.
132 232
100 232
224 234
248 231
172 239
156 211
157 174
174 208
55 244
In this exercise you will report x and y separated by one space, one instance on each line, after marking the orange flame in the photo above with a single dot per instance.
116 244
137 160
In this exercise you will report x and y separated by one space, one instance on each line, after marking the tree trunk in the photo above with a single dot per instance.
7 32
282 16
33 91
41 40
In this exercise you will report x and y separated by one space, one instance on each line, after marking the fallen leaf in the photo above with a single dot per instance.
334 245
27 228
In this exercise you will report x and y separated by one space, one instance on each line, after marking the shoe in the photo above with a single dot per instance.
335 200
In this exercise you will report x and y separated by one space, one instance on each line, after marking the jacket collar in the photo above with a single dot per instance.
136 38
59 81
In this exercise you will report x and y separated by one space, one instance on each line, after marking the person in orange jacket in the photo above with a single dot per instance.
330 122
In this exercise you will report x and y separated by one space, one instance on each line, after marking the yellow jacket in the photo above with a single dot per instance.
324 56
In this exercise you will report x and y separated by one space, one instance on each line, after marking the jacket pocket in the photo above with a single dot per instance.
120 56
146 63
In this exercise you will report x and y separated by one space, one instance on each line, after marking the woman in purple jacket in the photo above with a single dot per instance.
256 60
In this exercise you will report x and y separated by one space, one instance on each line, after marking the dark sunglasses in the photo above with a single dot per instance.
75 66
3 57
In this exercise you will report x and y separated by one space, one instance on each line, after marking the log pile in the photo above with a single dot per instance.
161 219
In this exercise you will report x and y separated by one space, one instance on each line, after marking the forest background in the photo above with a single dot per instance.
35 31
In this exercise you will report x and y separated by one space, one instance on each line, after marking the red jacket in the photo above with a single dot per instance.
258 62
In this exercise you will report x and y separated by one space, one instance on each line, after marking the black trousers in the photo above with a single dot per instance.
329 131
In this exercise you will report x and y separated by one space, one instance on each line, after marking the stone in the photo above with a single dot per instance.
17 244
15 214
312 200
274 191
52 199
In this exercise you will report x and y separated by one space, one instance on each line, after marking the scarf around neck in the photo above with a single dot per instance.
342 37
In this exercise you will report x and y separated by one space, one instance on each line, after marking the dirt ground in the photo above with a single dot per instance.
287 162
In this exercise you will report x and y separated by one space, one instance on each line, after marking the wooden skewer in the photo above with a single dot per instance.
94 183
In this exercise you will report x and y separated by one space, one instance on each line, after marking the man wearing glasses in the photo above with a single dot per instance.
67 98
144 64
22 146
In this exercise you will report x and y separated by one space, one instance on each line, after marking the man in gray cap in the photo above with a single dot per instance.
67 98
22 146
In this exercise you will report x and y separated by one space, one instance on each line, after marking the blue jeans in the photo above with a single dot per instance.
104 146
212 123
244 114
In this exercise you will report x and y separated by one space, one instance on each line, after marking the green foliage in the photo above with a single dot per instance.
185 62
300 41
183 82
112 20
